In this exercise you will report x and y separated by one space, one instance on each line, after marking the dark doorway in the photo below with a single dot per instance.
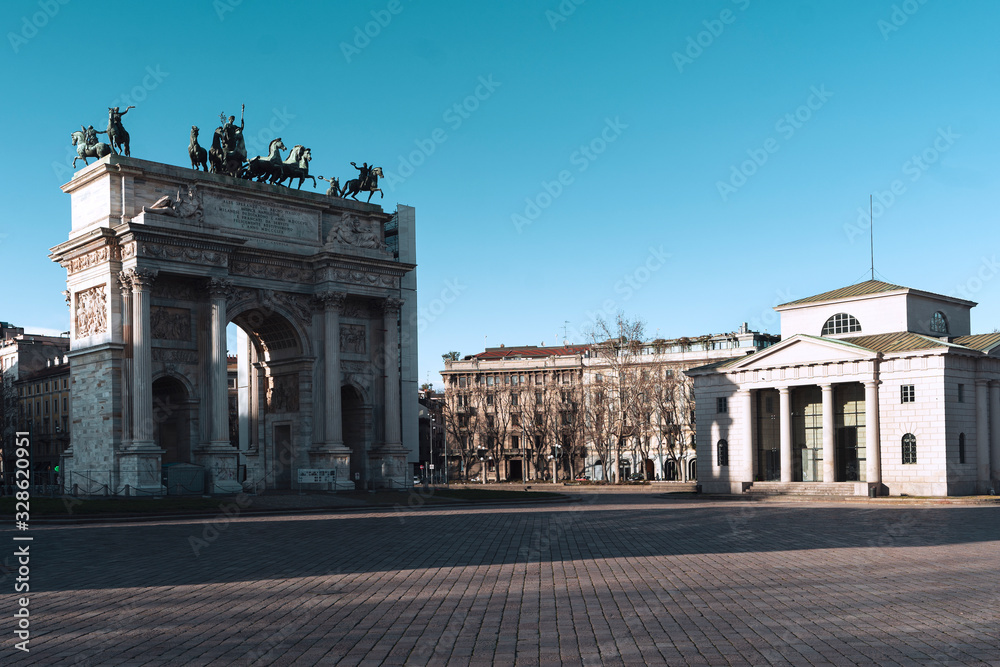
650 469
768 436
170 420
849 427
516 470
284 453
353 425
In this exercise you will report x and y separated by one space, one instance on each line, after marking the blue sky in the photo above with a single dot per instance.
689 163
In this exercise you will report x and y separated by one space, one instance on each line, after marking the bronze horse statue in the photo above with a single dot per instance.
296 165
354 186
262 168
199 156
83 151
117 136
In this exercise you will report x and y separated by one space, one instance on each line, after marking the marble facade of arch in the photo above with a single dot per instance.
151 294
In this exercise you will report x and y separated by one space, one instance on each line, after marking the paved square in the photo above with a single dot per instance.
610 580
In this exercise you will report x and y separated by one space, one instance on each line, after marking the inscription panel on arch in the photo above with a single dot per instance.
259 218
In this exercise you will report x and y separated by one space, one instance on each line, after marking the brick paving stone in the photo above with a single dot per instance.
618 579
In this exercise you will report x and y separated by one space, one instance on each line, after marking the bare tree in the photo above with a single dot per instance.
616 349
460 428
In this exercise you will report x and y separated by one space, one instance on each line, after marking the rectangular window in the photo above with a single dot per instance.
538 397
538 378
65 404
463 381
669 373
961 393
723 453
907 394
489 399
65 384
515 420
538 419
722 404
513 399
515 442
490 380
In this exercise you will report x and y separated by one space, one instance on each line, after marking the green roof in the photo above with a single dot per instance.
902 341
981 342
860 289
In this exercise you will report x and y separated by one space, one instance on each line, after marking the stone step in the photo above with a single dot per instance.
804 489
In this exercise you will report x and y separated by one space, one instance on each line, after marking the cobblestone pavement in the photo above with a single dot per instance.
612 580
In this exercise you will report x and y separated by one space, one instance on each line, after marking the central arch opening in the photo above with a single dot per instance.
264 366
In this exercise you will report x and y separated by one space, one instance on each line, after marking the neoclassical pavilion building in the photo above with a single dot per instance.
873 389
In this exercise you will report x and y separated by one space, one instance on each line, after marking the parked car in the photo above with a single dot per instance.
416 480
583 478
635 477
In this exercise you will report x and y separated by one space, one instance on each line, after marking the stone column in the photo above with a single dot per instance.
218 290
982 436
142 358
390 309
746 412
126 291
785 410
829 450
873 448
995 433
333 304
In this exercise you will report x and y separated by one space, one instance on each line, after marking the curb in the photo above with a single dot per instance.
304 511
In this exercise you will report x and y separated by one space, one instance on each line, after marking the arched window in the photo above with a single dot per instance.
961 448
938 323
909 448
841 323
723 453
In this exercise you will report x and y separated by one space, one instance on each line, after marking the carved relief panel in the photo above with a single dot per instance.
91 311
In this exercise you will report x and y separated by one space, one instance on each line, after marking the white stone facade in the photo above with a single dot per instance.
161 259
802 411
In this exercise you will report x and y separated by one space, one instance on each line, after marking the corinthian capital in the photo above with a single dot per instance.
391 305
219 288
332 300
138 278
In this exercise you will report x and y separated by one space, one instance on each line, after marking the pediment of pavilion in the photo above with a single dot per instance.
803 350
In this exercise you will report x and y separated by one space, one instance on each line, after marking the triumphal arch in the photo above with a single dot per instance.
161 259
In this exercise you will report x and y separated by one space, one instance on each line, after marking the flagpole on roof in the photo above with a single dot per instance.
871 233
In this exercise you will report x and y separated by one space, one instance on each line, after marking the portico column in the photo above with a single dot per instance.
218 371
746 412
982 436
142 358
829 470
390 309
873 449
785 409
333 304
126 291
995 432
